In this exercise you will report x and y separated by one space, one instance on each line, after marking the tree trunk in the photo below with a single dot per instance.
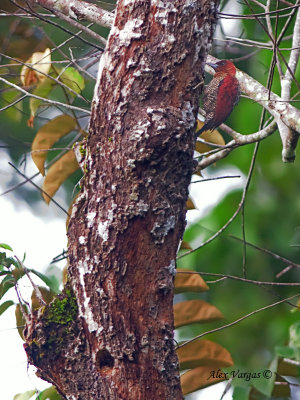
128 220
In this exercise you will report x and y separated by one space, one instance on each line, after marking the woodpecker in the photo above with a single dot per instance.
220 95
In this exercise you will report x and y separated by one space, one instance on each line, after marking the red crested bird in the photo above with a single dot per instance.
220 95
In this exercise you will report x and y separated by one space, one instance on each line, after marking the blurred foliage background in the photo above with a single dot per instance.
272 206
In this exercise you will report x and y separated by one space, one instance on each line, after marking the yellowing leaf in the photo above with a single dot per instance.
41 62
46 294
185 282
199 378
58 173
203 353
209 136
193 311
47 135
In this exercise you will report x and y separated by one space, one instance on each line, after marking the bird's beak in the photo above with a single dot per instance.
214 66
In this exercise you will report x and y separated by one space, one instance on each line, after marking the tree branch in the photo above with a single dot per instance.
274 104
289 136
238 320
79 10
284 113
77 25
239 140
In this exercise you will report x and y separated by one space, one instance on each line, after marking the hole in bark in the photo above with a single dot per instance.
104 359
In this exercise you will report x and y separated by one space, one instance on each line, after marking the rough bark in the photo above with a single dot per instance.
128 220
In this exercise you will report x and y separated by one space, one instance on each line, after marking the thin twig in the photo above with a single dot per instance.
13 103
35 287
53 102
39 16
40 189
266 251
80 10
77 25
238 278
216 178
31 66
238 320
11 189
218 233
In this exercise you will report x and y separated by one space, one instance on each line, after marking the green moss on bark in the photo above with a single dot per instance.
55 327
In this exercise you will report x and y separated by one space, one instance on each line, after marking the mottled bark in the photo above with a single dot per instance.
130 215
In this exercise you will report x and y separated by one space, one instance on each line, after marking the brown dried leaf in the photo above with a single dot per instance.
190 205
282 391
58 173
287 369
199 378
203 353
185 246
70 209
193 311
185 282
48 135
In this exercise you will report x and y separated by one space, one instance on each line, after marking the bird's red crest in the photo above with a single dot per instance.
225 66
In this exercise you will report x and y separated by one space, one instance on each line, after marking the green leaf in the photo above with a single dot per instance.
4 306
51 281
7 261
5 246
49 394
7 283
12 114
72 78
295 334
25 396
4 272
43 89
265 383
241 393
285 351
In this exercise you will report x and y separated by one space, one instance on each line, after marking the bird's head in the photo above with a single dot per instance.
223 66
